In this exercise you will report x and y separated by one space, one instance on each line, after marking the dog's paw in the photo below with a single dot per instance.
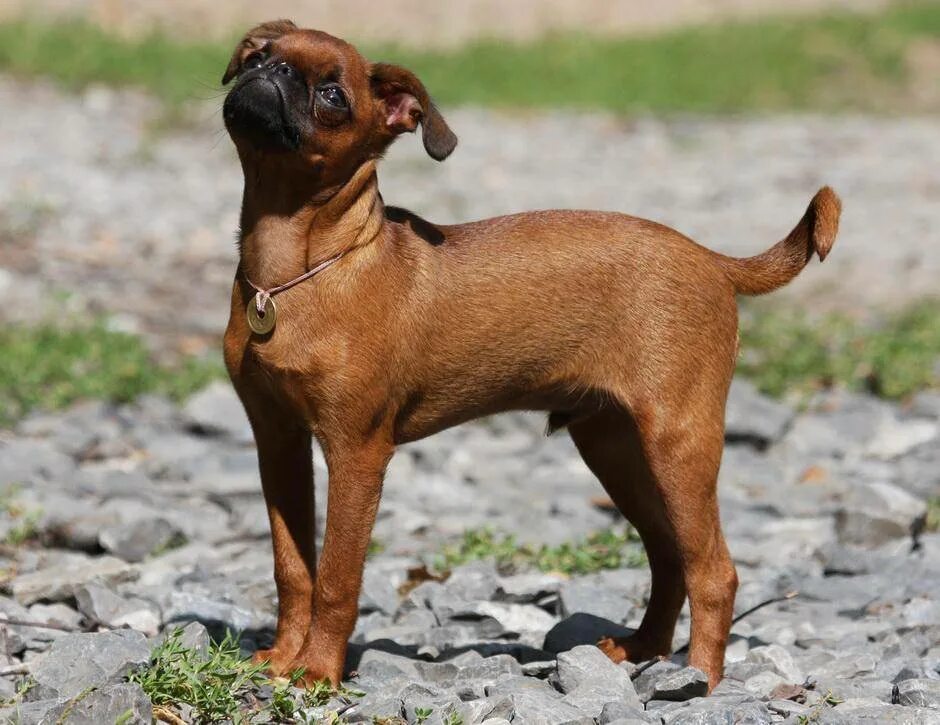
614 650
632 648
278 662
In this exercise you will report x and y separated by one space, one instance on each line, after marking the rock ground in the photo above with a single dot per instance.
138 223
828 501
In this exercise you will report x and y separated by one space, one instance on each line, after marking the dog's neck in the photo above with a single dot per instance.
288 228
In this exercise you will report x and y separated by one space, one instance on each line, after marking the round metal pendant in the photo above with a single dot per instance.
262 324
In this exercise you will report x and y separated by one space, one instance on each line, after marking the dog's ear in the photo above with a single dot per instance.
255 39
405 103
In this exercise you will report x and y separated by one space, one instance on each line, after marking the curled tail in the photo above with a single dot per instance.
816 232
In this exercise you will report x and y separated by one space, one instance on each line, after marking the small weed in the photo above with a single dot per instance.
607 549
25 686
376 547
828 700
26 521
453 718
422 714
933 514
783 351
48 367
219 684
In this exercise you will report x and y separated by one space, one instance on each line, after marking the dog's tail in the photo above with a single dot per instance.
771 270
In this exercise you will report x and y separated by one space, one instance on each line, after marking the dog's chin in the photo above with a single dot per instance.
255 113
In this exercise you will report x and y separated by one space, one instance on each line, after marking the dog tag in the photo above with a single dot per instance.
261 323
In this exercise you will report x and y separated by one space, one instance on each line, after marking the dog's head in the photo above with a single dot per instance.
307 94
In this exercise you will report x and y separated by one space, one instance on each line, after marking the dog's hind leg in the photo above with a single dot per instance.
660 467
609 443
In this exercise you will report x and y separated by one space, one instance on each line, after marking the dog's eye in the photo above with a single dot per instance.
253 61
333 95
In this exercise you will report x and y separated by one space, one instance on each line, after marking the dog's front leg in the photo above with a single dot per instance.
284 457
355 488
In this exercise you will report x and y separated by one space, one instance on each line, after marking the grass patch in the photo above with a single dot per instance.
783 351
48 367
220 685
608 549
24 522
933 514
830 62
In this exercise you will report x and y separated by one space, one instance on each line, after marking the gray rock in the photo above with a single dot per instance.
102 606
58 583
587 597
646 683
875 513
764 683
589 680
880 714
754 418
512 618
528 587
58 613
921 692
30 713
136 540
681 685
77 662
125 703
534 701
716 711
620 713
779 660
216 410
374 708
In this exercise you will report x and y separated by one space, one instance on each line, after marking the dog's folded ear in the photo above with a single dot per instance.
406 103
255 39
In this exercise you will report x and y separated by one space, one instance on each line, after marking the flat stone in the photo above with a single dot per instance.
588 597
527 587
589 680
681 685
125 703
216 410
76 662
751 417
136 540
715 710
534 701
58 583
876 513
103 606
779 659
621 713
30 713
647 681
920 692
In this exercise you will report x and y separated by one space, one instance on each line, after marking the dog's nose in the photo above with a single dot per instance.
285 69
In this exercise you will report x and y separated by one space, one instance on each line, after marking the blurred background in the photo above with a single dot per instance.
119 196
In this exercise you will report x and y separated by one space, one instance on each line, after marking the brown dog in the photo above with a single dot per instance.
623 329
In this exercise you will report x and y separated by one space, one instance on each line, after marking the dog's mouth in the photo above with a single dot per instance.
257 111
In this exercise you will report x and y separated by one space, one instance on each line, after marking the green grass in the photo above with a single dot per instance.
933 514
830 62
48 367
608 549
783 351
220 684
